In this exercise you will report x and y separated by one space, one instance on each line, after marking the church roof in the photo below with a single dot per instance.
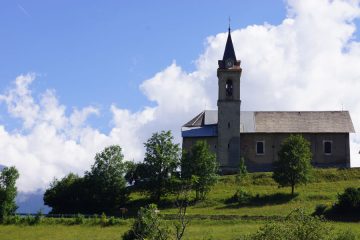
205 124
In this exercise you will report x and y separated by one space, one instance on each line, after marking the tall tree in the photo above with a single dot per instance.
106 179
200 165
294 164
8 191
162 158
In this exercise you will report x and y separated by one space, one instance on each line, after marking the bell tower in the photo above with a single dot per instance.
228 73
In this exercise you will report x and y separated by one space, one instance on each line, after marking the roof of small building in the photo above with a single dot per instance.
204 124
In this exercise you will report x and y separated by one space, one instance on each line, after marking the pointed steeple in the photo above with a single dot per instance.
229 52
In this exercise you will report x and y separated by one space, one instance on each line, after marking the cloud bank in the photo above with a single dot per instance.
308 62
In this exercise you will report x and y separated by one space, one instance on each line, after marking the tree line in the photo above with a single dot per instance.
111 179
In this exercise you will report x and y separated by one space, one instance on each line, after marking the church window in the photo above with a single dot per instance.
228 124
260 147
327 147
229 88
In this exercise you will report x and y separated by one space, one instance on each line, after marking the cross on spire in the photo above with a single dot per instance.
229 23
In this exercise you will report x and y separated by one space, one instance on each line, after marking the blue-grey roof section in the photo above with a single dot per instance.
205 131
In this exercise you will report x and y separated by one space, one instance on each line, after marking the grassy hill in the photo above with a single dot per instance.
269 200
217 218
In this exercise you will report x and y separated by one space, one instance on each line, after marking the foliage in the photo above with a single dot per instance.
8 192
346 235
240 177
293 166
148 225
162 158
100 190
297 226
349 201
106 182
200 165
347 205
320 210
66 195
240 197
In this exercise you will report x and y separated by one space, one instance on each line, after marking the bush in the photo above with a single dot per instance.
299 226
241 197
320 210
349 201
346 235
148 225
103 219
79 219
347 207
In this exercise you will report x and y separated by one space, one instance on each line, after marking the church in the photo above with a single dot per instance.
257 136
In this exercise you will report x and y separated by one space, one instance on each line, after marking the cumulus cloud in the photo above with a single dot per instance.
307 62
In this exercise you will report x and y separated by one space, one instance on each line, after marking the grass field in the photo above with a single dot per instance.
198 230
271 202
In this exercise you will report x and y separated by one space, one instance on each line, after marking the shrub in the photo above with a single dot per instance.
346 235
320 210
299 226
242 196
103 219
349 201
148 225
79 219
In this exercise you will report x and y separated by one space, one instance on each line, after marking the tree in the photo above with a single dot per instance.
162 158
66 195
8 191
106 180
200 165
103 189
294 164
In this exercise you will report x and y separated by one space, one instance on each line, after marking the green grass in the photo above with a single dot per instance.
197 230
215 218
323 189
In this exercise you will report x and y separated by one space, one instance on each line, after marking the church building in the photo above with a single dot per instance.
257 136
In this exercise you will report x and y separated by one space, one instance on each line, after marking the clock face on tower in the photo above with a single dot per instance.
229 63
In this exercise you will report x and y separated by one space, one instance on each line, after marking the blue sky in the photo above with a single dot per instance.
99 52
77 76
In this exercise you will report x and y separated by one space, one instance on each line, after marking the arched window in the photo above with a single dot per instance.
229 88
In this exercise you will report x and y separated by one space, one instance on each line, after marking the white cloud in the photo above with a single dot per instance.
307 62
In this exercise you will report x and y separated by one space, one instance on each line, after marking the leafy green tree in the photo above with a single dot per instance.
294 164
162 158
8 192
66 195
200 165
106 180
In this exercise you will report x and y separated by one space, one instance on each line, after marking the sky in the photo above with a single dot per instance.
77 76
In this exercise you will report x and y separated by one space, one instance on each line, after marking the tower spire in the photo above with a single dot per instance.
229 52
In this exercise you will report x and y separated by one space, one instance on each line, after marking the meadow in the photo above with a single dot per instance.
217 217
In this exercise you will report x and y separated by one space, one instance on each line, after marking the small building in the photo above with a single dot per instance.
257 136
